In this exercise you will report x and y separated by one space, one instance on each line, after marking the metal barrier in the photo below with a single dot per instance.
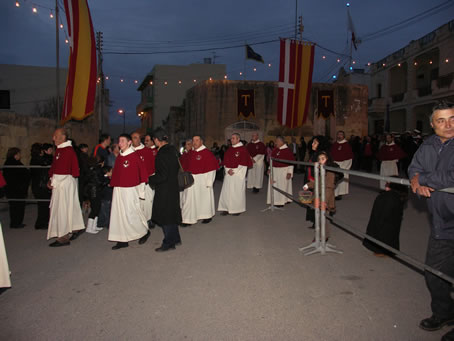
320 245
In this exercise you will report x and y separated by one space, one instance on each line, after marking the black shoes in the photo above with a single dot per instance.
224 213
236 214
434 323
19 226
120 245
76 235
339 197
206 221
449 336
57 243
163 248
184 225
151 225
255 190
143 239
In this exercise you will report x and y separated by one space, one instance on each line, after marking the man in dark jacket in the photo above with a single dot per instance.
432 169
166 203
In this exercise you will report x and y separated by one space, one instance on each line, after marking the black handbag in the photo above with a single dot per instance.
185 179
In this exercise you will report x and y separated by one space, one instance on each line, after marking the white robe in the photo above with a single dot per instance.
65 211
198 200
233 193
5 281
255 174
388 168
342 187
284 184
127 221
147 204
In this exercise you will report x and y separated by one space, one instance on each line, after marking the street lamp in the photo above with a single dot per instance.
122 112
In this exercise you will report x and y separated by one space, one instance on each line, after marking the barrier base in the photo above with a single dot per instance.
319 248
272 208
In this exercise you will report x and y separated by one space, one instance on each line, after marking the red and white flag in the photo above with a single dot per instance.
295 82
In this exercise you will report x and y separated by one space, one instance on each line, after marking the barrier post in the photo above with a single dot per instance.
271 179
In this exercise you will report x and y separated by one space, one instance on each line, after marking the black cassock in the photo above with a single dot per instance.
384 222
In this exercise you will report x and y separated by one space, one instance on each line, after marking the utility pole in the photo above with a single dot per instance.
57 69
300 27
296 18
99 45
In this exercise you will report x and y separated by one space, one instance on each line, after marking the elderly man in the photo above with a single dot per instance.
342 154
257 150
199 198
129 176
282 173
236 162
431 169
65 212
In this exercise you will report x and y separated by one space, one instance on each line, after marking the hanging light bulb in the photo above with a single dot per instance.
136 81
225 77
255 69
338 60
151 82
323 57
165 83
241 73
107 77
122 80
368 64
446 60
430 62
66 41
195 80
354 62
35 10
61 25
399 65
17 4
51 15
269 65
179 82
211 79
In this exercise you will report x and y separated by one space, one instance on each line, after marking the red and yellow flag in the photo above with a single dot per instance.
81 82
295 82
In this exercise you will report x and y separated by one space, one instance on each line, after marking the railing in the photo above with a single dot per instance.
320 245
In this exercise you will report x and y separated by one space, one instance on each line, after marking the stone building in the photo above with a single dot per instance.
408 82
166 85
211 109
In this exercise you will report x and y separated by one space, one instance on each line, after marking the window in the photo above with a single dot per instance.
4 99
378 90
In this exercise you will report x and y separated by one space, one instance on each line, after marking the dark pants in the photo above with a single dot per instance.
171 235
16 213
95 205
42 220
104 213
440 256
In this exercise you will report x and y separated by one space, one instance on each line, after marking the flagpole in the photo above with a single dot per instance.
57 70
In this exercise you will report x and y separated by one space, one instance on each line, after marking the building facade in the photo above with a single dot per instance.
165 87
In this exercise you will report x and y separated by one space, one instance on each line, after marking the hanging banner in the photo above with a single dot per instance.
325 103
295 82
81 82
246 108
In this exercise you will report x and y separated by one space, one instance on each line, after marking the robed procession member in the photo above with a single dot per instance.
236 162
65 212
342 154
199 198
282 173
389 154
147 155
166 205
5 281
184 163
257 151
129 176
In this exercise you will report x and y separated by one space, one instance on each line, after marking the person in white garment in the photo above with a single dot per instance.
236 162
342 155
282 173
5 281
389 154
129 177
257 150
199 198
65 222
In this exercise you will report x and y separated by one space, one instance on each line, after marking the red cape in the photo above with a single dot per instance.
65 162
341 151
284 154
128 171
236 156
184 160
147 156
390 152
256 148
203 161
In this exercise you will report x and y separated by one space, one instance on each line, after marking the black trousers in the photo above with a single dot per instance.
95 204
440 256
171 235
16 213
42 220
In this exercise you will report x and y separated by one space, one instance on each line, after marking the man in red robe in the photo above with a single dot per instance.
65 222
342 154
129 176
282 173
389 154
236 162
199 198
257 150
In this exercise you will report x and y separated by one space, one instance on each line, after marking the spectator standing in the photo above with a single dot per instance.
39 179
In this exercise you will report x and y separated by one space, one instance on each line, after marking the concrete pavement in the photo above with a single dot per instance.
237 278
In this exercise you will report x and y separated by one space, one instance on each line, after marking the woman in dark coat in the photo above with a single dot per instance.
386 218
166 203
17 181
40 177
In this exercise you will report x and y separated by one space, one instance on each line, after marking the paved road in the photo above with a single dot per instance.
237 278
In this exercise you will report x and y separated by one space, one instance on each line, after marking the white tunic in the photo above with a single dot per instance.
342 187
199 198
255 174
5 281
147 204
65 211
388 168
233 193
281 182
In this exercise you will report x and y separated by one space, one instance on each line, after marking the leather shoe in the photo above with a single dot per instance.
224 213
76 235
206 221
151 225
434 323
57 243
449 336
184 225
120 245
144 238
163 248
178 243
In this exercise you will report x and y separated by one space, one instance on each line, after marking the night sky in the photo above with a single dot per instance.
167 26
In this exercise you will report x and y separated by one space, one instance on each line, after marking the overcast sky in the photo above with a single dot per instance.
171 25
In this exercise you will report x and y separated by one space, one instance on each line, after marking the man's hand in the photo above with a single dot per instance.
289 176
230 172
418 189
49 185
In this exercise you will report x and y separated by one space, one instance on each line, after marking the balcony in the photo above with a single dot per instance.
397 98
